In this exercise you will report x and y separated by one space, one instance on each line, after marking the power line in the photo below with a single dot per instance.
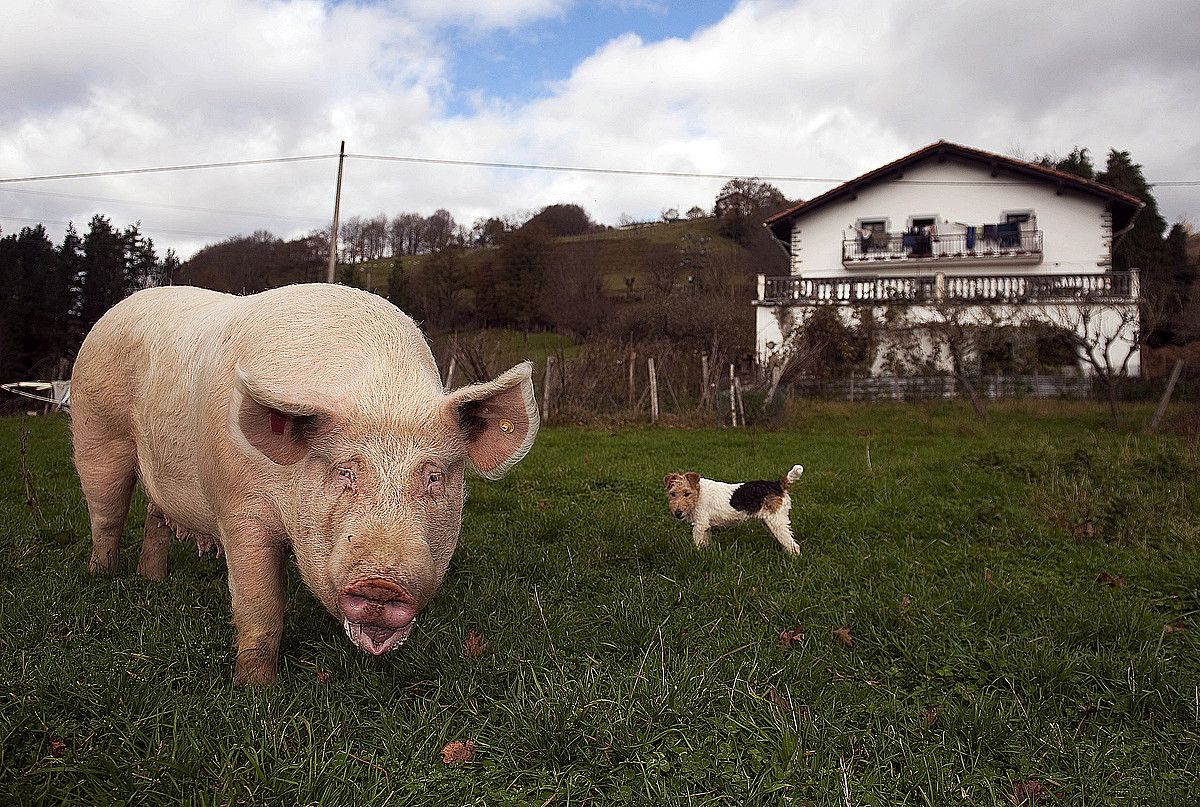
145 227
580 169
188 208
684 174
165 168
514 166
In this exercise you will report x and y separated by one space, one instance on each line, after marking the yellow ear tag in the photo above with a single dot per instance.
506 426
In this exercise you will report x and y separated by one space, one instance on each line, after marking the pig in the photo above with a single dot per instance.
308 418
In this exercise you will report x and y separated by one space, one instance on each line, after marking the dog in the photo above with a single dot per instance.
705 503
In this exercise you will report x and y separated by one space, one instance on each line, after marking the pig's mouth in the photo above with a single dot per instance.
377 614
377 639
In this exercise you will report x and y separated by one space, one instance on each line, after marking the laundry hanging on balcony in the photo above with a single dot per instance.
1009 234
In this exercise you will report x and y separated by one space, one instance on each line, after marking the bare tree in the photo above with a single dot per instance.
375 231
1106 334
438 231
351 233
945 336
956 330
405 234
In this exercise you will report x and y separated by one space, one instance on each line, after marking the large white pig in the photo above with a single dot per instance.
310 417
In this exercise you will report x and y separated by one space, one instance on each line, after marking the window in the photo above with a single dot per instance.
1016 223
873 233
918 241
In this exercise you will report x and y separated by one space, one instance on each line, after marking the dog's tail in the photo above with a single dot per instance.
792 476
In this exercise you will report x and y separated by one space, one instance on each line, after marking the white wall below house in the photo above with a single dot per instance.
1111 327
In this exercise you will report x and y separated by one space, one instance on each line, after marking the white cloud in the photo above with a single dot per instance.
775 88
497 14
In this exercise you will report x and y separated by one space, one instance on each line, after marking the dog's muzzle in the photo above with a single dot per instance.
678 514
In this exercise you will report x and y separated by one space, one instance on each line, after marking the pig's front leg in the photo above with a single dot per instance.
255 563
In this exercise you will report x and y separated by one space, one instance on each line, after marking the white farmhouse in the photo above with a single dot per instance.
954 226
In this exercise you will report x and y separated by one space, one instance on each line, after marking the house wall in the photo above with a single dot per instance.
1076 228
1111 326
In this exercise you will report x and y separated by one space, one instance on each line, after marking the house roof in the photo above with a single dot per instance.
1124 206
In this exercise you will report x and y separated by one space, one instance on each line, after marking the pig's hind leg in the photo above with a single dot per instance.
156 543
107 471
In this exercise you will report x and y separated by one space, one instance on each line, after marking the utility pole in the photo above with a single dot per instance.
337 203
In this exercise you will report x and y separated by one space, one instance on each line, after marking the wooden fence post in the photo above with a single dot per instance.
632 361
653 390
704 381
732 400
547 401
1166 396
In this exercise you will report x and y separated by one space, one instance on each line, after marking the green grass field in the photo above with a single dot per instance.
983 613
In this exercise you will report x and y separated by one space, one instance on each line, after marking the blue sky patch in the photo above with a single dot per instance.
517 66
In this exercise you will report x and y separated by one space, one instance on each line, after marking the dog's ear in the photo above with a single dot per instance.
668 479
693 479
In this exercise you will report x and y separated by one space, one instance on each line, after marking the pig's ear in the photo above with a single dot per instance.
273 421
499 419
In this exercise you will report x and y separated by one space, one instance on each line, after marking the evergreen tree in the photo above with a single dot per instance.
142 267
1164 285
32 319
1078 162
1142 247
103 271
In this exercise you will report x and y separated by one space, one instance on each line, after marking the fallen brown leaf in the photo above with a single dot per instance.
474 646
779 700
456 752
787 638
1030 792
987 575
930 717
905 602
1174 627
57 747
323 676
1114 580
843 636
542 505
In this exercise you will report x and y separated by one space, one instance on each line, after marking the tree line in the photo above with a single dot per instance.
54 293
376 237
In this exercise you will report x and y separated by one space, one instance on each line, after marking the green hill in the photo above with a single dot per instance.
636 252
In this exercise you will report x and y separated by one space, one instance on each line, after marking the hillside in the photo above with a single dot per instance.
617 254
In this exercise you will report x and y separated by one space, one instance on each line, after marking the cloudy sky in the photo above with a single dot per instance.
818 89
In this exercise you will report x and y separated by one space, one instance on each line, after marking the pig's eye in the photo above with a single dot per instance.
433 479
347 476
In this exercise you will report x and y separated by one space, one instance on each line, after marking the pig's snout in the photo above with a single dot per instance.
378 615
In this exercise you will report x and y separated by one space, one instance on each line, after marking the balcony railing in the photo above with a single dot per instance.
990 242
929 289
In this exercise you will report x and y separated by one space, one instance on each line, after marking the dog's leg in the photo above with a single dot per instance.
700 535
780 525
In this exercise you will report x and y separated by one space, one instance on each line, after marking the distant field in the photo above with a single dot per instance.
619 253
983 613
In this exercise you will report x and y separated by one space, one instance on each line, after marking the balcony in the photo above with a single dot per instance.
941 288
979 246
